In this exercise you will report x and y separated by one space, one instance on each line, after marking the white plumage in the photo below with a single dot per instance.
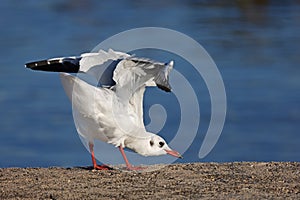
113 111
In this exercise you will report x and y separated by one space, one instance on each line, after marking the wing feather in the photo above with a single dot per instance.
101 65
132 75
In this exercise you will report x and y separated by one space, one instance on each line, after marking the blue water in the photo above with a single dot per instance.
255 45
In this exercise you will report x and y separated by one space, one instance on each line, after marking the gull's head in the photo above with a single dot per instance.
153 146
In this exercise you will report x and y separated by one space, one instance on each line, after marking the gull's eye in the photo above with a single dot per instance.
161 144
151 143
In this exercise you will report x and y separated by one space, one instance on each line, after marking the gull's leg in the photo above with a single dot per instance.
100 167
128 165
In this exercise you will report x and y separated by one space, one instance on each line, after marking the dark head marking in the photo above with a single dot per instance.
151 143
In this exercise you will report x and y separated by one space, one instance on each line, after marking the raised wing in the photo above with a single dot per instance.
132 75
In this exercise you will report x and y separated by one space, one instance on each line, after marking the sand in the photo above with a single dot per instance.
238 180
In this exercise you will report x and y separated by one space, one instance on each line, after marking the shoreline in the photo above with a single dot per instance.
237 180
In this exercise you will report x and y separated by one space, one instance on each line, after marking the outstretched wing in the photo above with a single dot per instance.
128 75
132 75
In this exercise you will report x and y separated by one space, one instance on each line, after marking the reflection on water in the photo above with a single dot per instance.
255 44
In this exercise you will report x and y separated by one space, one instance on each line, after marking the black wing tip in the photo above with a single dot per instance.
30 65
165 88
39 65
70 65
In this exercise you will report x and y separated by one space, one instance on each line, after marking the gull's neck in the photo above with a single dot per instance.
138 144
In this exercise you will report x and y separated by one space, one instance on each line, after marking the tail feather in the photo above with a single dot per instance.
67 64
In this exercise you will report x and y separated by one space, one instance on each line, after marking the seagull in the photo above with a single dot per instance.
112 109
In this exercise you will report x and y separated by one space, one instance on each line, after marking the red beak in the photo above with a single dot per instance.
174 153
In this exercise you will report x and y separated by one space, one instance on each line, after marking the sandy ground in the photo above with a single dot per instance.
246 180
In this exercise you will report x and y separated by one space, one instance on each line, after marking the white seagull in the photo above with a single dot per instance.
113 111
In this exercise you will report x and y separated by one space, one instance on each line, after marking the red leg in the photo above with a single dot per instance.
100 167
128 165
